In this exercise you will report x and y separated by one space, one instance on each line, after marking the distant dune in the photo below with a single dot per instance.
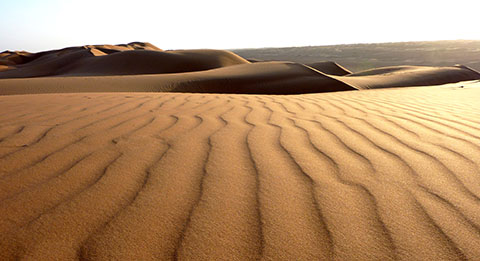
96 60
129 152
206 71
400 76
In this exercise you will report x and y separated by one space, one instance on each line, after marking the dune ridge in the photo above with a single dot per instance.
358 175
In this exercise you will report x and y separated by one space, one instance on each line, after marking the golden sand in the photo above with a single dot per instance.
379 174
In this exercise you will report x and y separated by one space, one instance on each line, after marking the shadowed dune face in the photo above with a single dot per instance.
390 174
263 78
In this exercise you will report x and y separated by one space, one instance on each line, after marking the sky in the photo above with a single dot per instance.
179 24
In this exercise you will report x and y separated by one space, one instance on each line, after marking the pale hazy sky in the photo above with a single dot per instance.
49 24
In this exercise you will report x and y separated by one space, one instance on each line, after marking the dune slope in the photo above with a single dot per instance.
358 175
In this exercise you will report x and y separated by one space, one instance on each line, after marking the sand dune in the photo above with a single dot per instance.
400 76
153 62
358 175
105 68
254 78
257 78
134 58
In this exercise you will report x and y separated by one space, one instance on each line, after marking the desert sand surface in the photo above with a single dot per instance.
372 175
157 166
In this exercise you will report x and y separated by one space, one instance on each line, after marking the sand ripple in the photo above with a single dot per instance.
360 175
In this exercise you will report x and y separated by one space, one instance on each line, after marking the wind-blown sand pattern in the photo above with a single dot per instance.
359 175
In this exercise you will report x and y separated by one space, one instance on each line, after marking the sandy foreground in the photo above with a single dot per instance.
356 175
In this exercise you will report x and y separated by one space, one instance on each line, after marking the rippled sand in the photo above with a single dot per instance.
356 175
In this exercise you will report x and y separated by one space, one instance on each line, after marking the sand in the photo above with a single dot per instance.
127 173
379 174
140 67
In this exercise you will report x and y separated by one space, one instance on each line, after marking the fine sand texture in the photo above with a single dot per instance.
385 174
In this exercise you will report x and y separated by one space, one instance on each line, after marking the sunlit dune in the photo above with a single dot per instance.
130 152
